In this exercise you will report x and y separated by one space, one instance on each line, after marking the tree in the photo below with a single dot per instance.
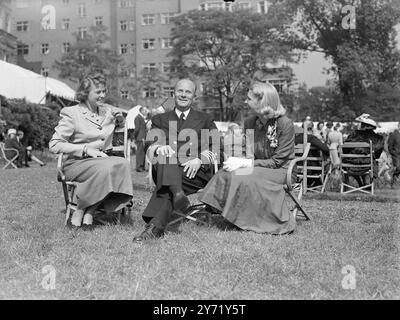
149 88
364 56
224 49
90 53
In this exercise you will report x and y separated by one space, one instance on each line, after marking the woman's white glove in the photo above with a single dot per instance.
234 163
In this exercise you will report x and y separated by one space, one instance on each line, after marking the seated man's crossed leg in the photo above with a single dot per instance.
171 192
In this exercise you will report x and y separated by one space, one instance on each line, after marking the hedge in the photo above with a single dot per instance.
37 121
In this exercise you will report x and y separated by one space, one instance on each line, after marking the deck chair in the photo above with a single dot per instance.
357 160
301 153
199 213
119 148
9 160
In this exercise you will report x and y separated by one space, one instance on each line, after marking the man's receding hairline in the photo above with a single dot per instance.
188 80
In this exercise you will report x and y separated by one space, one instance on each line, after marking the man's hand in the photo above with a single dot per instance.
95 153
191 167
165 151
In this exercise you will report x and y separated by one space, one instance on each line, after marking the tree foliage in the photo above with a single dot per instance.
91 53
365 59
153 80
224 48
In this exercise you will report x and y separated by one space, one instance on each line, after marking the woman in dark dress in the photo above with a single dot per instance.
249 191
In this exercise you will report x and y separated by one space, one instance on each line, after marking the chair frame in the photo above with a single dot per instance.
190 213
323 176
301 186
9 162
370 166
70 186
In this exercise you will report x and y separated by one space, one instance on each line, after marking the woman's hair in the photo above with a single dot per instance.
268 97
337 126
87 83
319 123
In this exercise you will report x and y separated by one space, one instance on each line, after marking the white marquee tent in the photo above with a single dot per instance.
19 83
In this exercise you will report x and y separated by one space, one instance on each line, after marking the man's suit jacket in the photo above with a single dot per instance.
79 126
140 128
195 121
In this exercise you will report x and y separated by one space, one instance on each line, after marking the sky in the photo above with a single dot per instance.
311 69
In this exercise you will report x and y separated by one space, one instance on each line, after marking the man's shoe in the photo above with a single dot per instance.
150 232
180 201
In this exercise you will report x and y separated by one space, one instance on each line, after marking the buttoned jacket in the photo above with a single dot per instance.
189 135
78 127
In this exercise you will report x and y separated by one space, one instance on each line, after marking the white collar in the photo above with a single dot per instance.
178 113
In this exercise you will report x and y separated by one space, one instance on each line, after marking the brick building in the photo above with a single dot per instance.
8 42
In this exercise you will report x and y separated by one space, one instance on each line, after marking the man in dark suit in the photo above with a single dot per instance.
139 134
179 170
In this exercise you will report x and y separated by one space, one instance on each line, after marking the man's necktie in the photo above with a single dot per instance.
180 121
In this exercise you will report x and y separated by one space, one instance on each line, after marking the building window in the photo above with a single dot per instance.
168 91
65 24
66 47
22 49
279 85
82 32
166 43
123 48
166 67
123 25
45 49
65 2
148 44
244 5
166 17
148 19
149 93
262 7
22 26
149 67
216 5
44 72
98 21
125 3
82 10
124 94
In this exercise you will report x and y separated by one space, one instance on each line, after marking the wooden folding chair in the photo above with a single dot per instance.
196 210
119 148
357 159
301 153
316 164
8 160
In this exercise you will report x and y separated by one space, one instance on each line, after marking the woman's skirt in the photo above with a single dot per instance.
101 180
251 199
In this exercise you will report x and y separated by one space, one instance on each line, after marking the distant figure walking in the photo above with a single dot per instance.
139 134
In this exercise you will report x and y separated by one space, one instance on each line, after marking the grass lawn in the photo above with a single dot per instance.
196 262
